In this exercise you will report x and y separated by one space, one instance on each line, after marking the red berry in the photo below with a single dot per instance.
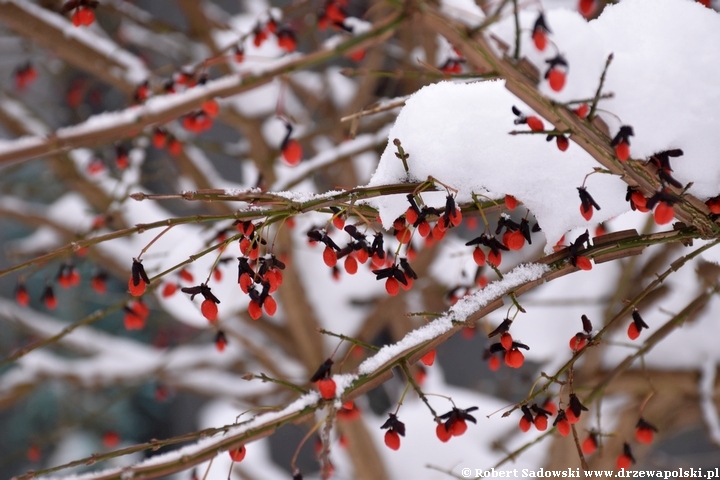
556 79
540 40
510 202
456 217
622 150
442 432
514 240
479 256
136 290
514 358
563 427
254 310
438 232
209 310
327 387
582 110
550 406
175 147
577 342
411 216
270 306
245 282
392 440
362 256
423 228
33 453
541 423
429 358
583 263
494 363
392 286
664 213
458 427
506 341
525 424
22 297
623 462
186 275
329 257
535 124
495 258
159 138
339 222
714 205
644 435
589 445
562 142
351 265
571 418
237 454
586 7
292 152
286 41
587 214
169 290
210 107
633 331
111 439
357 55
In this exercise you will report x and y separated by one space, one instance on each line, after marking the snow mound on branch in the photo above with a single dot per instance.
458 134
661 78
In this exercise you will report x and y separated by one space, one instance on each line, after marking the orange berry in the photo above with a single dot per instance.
506 341
562 142
438 232
525 424
458 427
136 290
495 258
411 216
577 343
514 240
633 331
494 363
623 462
541 423
514 358
589 445
510 202
479 256
644 435
351 265
540 40
586 7
210 107
582 110
423 228
339 222
563 427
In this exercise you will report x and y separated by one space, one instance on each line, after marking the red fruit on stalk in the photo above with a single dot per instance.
506 341
392 286
292 152
443 433
83 17
458 427
210 107
339 222
563 427
479 256
714 205
664 213
622 150
423 228
254 310
429 358
541 422
562 142
220 341
34 454
539 39
22 297
514 358
495 258
286 40
578 342
329 257
326 387
110 439
270 306
209 310
510 202
556 79
494 363
237 454
357 55
586 211
411 216
138 289
586 7
159 138
535 124
351 265
186 275
583 263
525 424
589 445
438 232
514 240
644 435
392 440
582 110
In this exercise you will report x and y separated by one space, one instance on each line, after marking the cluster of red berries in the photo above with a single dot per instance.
161 139
83 14
455 423
644 433
507 346
539 420
25 75
68 276
136 315
285 36
570 416
333 14
200 120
